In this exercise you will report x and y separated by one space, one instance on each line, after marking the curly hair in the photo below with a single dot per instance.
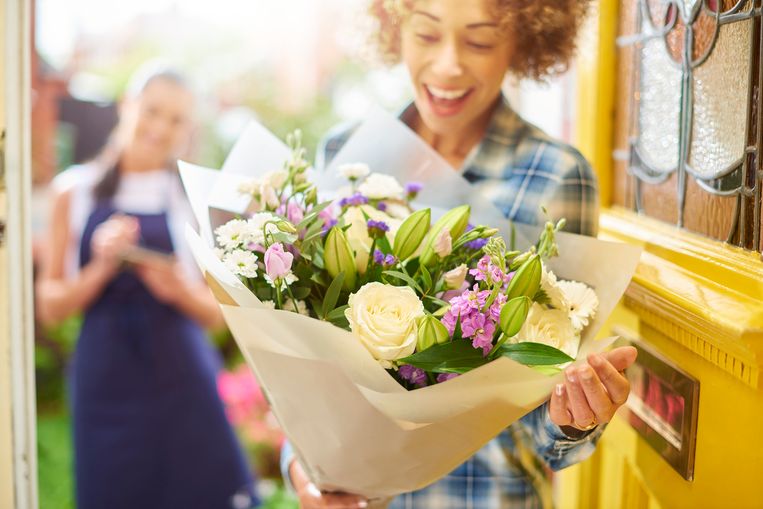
543 32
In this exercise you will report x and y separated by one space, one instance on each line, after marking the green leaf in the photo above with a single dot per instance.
541 297
534 354
427 279
336 313
514 314
312 215
437 301
457 329
332 295
404 277
301 292
383 245
450 357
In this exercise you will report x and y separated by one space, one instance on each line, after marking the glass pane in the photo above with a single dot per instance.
721 88
659 107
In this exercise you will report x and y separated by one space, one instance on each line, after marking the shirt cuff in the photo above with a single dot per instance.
562 439
287 456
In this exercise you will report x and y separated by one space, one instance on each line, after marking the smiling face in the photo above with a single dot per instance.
157 122
457 55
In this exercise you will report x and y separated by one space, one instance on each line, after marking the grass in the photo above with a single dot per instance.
55 461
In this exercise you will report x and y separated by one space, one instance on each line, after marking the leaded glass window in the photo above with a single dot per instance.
689 113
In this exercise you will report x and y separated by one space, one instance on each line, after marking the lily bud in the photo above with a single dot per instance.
286 226
454 221
514 314
431 332
311 197
526 281
338 257
411 233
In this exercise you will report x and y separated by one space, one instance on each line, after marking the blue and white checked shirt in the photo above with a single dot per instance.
520 169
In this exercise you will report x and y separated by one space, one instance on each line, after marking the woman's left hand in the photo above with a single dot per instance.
165 281
592 393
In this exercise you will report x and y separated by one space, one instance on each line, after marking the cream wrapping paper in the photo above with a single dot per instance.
353 427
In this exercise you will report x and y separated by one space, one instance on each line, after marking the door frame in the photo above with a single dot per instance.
18 470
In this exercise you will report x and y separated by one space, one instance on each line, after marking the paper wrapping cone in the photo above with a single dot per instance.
353 427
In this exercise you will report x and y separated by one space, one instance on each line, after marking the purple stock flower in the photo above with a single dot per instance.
381 206
384 260
444 377
329 225
483 337
376 229
413 188
355 200
476 244
488 272
414 375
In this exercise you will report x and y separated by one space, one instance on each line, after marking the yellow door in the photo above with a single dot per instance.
17 431
676 140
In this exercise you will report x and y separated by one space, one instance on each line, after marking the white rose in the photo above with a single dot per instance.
379 187
357 234
384 318
354 171
551 327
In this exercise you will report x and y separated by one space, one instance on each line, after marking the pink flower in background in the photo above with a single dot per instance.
277 261
246 407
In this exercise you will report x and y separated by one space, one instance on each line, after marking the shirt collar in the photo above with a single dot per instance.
505 127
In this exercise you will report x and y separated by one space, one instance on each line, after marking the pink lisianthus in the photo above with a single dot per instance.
277 261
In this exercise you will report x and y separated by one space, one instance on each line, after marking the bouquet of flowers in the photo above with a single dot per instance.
428 301
346 289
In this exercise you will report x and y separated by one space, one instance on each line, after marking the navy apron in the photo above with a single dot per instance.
149 428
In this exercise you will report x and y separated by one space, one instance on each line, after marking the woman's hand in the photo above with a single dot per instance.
310 497
165 281
112 238
592 393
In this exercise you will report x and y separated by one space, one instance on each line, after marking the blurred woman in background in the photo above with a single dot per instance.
149 428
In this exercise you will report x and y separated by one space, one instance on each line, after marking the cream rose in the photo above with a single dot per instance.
551 327
384 318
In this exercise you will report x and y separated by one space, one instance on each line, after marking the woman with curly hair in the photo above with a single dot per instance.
458 53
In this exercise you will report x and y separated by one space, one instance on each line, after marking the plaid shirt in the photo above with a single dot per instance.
520 169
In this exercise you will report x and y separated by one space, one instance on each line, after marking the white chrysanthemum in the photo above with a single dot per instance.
380 187
257 225
551 327
269 304
234 234
582 300
550 285
241 263
219 253
287 280
354 171
301 307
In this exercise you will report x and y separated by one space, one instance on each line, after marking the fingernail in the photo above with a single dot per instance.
559 389
570 375
596 360
586 374
362 504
